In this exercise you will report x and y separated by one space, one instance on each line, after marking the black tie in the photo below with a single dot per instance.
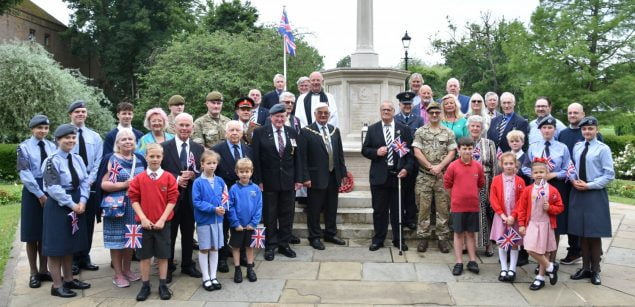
547 153
583 162
43 154
82 147
236 153
71 168
183 156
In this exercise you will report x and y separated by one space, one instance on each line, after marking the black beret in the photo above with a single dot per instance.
588 121
244 102
38 120
64 130
76 104
278 108
547 121
406 97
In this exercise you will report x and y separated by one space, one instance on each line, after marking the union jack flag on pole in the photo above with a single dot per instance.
258 238
509 238
400 147
133 236
285 30
191 162
74 221
550 164
572 174
499 153
224 200
476 154
114 171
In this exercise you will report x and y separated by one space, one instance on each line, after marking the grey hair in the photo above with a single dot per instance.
122 133
506 95
285 95
185 116
302 79
233 122
416 75
278 76
491 94
475 119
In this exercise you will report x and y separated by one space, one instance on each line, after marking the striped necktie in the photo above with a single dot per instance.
389 158
501 128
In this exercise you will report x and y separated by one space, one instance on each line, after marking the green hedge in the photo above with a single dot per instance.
618 142
624 124
8 171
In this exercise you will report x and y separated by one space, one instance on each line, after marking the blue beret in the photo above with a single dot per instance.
64 130
588 121
76 104
278 108
38 120
406 97
547 121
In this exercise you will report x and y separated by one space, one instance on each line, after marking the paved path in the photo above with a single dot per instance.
353 275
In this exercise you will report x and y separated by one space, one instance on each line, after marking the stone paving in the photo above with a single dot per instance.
352 275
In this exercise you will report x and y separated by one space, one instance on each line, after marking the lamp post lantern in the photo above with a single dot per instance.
405 41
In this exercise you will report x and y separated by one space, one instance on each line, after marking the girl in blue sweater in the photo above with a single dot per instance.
210 198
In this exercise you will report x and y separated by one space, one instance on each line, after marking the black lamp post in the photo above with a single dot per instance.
405 41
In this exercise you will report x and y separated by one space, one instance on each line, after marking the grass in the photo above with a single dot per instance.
9 217
621 200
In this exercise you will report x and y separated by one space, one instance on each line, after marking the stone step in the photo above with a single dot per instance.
344 215
355 199
353 231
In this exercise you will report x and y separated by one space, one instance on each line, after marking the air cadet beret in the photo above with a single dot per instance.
176 100
406 97
433 105
244 102
76 104
64 130
212 96
278 108
588 121
547 121
38 120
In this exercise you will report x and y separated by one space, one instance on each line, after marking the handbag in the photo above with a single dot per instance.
114 204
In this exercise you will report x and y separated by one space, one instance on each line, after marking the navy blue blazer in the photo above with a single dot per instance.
515 123
226 169
270 99
414 121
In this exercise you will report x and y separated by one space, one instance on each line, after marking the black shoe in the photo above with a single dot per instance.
207 285
511 276
595 278
75 269
458 269
88 266
375 246
45 276
317 244
34 281
238 275
473 267
222 265
251 274
537 285
294 240
581 274
76 284
287 251
143 293
269 254
502 276
404 247
553 275
192 271
168 278
571 259
216 284
62 292
164 292
334 240
412 226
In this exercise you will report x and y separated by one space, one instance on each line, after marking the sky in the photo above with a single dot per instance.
329 25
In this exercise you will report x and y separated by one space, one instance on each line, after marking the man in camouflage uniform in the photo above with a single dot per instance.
209 129
434 147
176 105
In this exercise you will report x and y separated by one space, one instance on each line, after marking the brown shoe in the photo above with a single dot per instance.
423 246
443 246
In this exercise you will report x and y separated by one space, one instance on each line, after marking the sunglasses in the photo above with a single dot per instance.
477 101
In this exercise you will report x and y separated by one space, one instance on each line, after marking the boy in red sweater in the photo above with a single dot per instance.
464 179
153 195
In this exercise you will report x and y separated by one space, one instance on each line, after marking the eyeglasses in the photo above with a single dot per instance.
386 110
477 101
434 113
323 112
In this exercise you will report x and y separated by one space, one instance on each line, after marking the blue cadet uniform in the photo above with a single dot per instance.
30 157
66 188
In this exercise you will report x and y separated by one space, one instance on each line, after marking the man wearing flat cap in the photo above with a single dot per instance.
209 129
176 104
277 169
243 108
90 148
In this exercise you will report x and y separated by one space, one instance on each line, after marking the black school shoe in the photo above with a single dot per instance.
62 292
144 293
34 281
458 269
537 285
251 274
238 275
553 275
216 284
76 284
164 292
472 266
511 276
222 265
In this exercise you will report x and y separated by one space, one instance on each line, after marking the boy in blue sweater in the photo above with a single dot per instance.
245 211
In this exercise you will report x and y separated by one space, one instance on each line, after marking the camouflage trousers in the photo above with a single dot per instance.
429 187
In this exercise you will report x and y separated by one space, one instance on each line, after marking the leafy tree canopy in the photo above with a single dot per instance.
6 5
231 16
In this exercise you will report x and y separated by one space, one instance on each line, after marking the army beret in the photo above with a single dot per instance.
38 120
588 121
433 105
76 104
244 102
547 121
406 97
214 96
64 130
176 100
278 108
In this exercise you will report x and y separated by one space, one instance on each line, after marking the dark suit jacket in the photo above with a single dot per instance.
109 140
172 164
226 169
276 173
270 99
414 121
379 165
515 123
316 157
263 115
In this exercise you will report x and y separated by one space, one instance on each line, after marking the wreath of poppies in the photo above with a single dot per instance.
347 183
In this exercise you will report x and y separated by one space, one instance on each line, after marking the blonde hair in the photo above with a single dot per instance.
244 163
153 111
122 133
457 109
154 146
515 135
508 154
208 153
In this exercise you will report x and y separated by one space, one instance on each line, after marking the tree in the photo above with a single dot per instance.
31 82
232 64
434 76
123 34
344 62
232 17
7 5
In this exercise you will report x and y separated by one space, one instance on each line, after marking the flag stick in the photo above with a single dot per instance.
400 213
284 55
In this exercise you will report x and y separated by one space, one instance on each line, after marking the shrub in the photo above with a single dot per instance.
617 143
624 163
624 124
8 171
9 197
622 188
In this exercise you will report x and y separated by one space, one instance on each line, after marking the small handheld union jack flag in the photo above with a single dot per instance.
224 199
476 153
133 236
508 239
191 162
285 30
74 221
499 153
572 174
550 164
540 192
400 147
258 238
114 171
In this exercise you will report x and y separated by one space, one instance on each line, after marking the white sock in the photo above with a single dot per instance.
203 262
513 259
550 267
540 277
502 256
213 264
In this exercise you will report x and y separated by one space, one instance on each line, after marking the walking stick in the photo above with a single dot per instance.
400 213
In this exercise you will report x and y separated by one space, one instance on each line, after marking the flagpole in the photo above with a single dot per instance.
284 55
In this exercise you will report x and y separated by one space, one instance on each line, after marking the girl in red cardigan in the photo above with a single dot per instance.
505 191
536 212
